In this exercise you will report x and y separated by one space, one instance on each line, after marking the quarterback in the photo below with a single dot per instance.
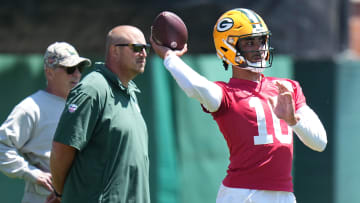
256 114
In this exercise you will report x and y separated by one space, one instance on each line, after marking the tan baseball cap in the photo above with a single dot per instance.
64 54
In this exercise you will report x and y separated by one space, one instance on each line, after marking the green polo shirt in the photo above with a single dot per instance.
103 121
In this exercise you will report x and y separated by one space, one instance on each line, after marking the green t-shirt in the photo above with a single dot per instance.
103 121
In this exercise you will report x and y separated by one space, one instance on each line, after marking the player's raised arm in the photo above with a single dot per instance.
168 38
193 84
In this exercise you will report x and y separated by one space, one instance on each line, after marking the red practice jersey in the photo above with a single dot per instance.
260 144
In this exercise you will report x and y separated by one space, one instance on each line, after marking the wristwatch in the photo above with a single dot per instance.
56 193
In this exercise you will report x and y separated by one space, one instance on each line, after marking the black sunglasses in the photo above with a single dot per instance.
71 70
136 47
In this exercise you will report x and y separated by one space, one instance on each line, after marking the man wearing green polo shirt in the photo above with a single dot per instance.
100 148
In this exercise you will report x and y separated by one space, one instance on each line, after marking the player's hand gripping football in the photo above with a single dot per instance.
283 105
163 51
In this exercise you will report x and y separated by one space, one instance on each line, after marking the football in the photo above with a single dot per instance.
169 30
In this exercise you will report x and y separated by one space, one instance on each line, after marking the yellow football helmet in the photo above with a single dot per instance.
235 25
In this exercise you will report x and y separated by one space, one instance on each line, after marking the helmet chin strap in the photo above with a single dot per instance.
256 67
255 70
252 69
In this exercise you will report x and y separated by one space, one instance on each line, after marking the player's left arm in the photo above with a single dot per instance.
309 129
304 121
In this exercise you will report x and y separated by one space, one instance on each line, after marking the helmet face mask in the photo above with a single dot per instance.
242 39
255 50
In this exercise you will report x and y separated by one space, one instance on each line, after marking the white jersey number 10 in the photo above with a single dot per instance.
264 137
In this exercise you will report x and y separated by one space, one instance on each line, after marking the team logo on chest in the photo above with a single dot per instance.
72 108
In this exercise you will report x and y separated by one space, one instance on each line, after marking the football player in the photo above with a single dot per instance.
256 114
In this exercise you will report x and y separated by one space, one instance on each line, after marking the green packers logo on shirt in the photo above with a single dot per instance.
72 108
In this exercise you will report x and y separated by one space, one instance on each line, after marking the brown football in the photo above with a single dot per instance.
169 30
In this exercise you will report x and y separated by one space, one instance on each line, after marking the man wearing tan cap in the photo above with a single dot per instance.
27 133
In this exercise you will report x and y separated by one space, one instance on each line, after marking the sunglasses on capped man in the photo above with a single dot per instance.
136 47
71 70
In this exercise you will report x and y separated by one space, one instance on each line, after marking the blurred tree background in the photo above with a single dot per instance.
302 28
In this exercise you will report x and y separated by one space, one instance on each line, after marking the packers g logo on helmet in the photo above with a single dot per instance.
235 25
225 24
